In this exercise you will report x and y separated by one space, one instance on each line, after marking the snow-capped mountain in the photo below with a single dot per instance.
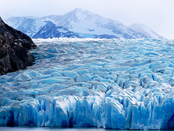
140 28
79 23
85 22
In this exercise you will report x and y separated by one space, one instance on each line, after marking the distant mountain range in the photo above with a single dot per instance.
79 23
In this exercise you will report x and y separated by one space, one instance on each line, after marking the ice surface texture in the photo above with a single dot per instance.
121 84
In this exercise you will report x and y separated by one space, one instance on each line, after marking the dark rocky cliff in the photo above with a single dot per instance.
14 46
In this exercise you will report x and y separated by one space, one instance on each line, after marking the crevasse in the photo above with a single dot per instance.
120 84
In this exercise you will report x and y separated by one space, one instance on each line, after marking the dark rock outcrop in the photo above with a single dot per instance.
14 46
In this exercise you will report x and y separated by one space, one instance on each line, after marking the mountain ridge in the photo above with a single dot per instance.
141 28
81 23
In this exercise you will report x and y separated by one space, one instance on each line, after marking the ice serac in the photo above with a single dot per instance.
119 84
14 46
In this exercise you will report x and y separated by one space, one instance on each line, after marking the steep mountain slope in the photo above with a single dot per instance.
50 30
140 28
79 23
14 46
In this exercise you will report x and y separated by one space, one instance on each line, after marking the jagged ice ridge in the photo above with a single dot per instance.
121 84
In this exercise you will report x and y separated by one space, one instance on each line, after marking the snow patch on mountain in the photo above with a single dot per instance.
50 30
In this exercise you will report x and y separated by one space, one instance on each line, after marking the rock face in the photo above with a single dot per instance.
14 46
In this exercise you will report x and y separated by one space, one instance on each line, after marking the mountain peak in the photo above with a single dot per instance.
78 10
83 11
86 24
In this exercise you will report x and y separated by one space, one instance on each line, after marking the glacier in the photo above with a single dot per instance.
116 83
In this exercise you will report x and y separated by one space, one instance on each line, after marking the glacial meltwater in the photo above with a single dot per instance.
117 84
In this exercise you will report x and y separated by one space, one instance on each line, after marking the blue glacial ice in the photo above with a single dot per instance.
120 84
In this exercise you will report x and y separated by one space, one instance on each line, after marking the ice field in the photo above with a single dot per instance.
120 84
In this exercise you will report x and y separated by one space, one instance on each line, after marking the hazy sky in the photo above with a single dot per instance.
157 14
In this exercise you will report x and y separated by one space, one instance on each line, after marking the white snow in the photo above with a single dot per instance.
79 21
83 24
62 30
